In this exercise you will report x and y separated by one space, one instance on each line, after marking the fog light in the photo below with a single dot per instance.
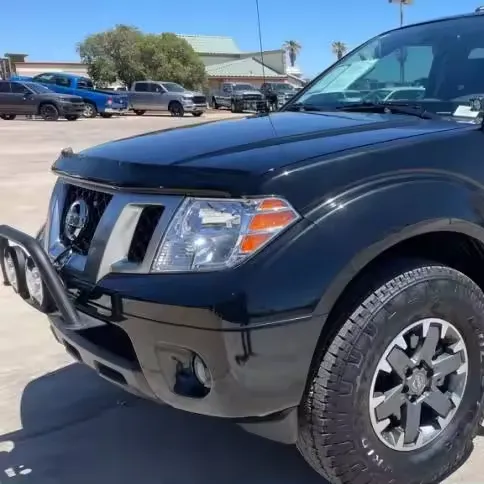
202 372
14 263
34 282
40 297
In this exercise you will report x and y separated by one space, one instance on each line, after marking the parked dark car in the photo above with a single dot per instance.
102 102
238 97
29 99
277 93
315 274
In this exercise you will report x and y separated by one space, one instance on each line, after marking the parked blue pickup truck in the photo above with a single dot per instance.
96 101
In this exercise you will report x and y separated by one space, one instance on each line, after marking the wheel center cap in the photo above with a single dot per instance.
417 382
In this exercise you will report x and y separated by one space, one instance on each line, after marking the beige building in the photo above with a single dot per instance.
223 60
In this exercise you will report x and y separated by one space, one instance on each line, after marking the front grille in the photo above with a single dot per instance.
147 222
199 100
252 97
96 203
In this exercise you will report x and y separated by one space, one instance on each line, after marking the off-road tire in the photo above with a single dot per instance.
234 108
335 435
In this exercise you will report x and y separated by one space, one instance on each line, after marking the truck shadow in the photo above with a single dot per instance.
78 429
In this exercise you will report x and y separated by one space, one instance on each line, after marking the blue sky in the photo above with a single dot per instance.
49 31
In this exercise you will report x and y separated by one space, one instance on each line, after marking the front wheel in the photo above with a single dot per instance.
234 107
49 112
8 117
397 392
176 109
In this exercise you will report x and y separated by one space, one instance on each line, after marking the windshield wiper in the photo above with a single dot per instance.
304 107
389 108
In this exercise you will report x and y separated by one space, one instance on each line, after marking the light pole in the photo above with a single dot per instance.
401 4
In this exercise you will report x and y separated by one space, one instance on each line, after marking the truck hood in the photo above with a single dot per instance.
189 93
230 156
60 97
248 92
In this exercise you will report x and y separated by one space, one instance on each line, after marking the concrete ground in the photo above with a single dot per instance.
59 422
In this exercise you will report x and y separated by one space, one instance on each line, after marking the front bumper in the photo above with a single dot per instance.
71 109
252 105
195 108
116 110
148 348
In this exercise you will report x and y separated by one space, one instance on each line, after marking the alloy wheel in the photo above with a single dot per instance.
418 384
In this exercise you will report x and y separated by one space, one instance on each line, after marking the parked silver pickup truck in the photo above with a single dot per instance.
165 96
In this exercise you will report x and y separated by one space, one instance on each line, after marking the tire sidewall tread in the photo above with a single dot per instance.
344 448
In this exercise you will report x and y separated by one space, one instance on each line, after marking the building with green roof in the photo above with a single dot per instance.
226 62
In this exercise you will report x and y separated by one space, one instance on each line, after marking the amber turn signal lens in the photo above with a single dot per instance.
252 242
272 204
271 220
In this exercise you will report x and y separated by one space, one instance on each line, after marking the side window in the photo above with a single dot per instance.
62 81
156 88
18 88
84 84
45 78
4 87
141 87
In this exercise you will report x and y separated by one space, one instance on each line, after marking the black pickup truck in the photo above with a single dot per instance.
315 274
19 98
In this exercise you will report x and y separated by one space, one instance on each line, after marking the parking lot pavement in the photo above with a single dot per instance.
59 422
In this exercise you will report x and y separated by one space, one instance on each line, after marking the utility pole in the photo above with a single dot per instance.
401 4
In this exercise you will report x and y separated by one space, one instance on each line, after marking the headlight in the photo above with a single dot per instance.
214 234
188 98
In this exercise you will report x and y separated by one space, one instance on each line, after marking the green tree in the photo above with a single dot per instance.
124 53
292 48
339 49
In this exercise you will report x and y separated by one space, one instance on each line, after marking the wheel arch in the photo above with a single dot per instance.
47 101
451 233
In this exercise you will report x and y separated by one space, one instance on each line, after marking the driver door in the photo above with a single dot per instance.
160 97
22 99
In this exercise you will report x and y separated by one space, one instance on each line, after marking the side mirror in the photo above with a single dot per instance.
28 95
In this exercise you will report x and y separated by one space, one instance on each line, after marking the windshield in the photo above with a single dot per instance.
438 65
173 87
244 87
283 87
37 88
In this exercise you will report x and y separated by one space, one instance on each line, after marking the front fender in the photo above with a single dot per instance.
356 229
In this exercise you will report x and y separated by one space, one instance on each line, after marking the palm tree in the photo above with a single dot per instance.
293 48
401 4
339 49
